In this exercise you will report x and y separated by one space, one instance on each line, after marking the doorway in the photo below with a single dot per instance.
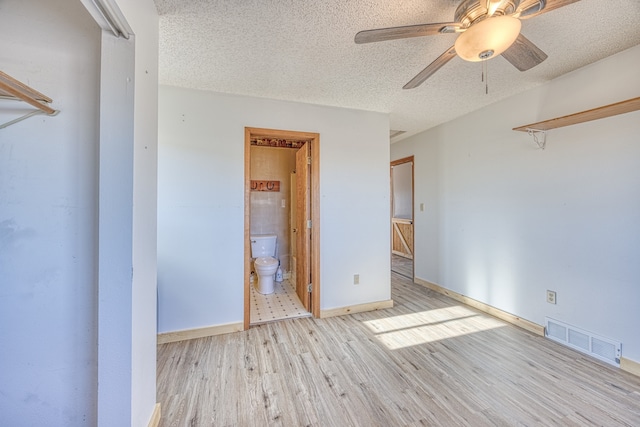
303 273
402 229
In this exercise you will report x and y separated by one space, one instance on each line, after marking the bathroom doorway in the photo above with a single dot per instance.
402 232
281 197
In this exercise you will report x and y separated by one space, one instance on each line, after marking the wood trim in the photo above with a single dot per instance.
207 331
627 106
493 311
630 366
283 134
402 254
402 160
401 221
155 416
314 140
247 227
360 308
315 228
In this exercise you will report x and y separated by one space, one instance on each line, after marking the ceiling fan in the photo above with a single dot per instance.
487 28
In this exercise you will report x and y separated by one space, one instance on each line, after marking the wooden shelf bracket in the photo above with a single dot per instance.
13 89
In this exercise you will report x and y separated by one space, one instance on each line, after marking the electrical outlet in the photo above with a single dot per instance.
356 279
551 297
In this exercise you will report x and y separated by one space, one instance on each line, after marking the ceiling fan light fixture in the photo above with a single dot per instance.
492 6
494 34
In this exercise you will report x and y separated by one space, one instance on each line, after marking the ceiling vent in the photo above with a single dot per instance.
394 133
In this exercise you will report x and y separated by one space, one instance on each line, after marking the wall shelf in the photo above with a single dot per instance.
584 116
13 89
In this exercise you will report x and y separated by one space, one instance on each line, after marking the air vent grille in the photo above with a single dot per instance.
601 348
556 331
394 133
579 339
604 349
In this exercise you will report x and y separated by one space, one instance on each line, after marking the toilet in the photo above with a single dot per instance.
263 250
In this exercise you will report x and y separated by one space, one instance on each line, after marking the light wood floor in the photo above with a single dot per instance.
402 266
427 361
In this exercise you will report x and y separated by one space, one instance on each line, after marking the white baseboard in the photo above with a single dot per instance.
495 312
188 334
155 416
370 306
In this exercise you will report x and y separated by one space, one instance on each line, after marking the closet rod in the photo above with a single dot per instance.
13 89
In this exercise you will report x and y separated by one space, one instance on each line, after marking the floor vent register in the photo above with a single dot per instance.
601 348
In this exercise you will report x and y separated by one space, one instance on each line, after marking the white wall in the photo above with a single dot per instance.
127 280
48 218
514 220
201 202
115 230
127 232
79 333
143 19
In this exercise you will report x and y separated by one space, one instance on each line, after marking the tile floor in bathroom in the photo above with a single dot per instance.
283 303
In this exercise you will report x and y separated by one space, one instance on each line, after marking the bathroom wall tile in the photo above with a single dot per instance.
267 214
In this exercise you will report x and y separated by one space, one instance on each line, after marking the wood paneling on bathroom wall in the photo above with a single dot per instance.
268 215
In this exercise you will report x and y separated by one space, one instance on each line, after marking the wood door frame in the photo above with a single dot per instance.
303 234
314 141
401 161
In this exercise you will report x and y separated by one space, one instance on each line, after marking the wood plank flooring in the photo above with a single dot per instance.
401 265
427 361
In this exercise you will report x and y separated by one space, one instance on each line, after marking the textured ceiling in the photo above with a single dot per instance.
302 50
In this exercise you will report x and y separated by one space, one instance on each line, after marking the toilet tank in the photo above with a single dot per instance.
263 245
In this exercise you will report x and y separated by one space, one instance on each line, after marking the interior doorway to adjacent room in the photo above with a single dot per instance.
298 292
402 229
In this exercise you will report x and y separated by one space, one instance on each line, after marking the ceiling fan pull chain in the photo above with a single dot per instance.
485 76
486 80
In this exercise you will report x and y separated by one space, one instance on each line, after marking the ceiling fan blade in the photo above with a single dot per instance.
555 4
393 33
529 9
523 54
431 68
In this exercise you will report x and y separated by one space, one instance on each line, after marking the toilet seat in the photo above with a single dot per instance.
265 262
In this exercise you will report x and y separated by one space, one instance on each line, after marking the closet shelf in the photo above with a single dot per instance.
13 89
584 116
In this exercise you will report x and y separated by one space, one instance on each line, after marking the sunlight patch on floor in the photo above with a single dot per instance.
429 326
422 318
